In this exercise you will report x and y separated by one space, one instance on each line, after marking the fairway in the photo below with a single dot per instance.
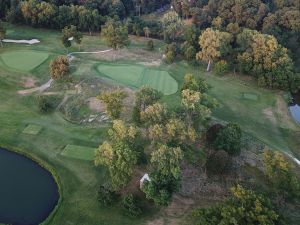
79 152
23 60
137 76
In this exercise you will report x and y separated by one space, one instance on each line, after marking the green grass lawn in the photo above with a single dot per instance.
79 152
137 76
23 60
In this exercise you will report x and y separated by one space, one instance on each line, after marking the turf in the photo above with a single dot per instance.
137 76
23 60
250 96
32 129
79 152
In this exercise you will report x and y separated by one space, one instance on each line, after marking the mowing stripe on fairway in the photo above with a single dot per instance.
137 76
23 60
79 152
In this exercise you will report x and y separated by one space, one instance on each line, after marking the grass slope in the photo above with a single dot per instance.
24 60
79 152
137 76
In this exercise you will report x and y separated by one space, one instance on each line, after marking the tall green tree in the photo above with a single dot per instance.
115 34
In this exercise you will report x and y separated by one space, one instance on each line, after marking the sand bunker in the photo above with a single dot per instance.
29 42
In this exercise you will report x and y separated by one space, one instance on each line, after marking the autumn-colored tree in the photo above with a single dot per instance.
243 208
115 34
154 114
167 160
59 67
119 154
167 175
263 57
280 175
113 101
147 31
214 45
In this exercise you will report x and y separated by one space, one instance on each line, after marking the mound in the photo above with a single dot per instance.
137 75
24 60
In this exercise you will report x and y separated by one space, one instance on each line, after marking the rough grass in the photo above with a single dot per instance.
79 152
24 60
137 76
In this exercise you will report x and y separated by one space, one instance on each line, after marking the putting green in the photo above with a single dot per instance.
137 76
23 60
79 152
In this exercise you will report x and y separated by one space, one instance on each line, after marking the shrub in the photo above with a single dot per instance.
170 57
212 133
150 45
59 67
106 196
221 67
130 206
219 162
229 139
46 104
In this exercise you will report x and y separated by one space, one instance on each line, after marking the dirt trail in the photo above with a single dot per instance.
42 88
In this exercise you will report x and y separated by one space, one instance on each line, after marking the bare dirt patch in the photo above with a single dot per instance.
268 112
95 104
132 54
28 82
284 115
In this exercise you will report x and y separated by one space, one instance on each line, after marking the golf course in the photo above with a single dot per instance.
67 148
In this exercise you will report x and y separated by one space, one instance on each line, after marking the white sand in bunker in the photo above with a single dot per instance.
29 42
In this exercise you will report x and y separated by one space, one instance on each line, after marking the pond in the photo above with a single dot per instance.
295 107
28 192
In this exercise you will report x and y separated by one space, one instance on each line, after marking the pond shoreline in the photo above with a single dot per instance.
46 166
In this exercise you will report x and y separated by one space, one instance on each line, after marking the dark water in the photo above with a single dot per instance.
28 192
295 107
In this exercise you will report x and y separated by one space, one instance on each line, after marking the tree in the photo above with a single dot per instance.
116 34
120 154
172 24
150 45
160 188
106 196
219 162
131 206
167 160
243 208
2 33
214 45
59 67
70 33
229 139
147 31
113 101
263 57
154 114
281 176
